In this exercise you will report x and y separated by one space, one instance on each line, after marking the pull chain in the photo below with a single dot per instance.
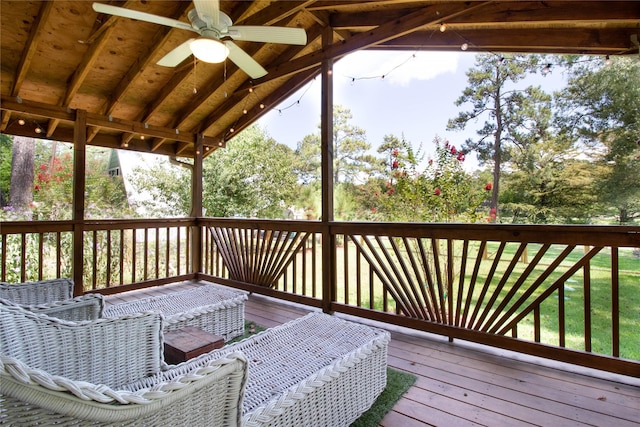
195 79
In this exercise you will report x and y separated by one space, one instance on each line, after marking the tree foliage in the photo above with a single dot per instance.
513 117
350 150
600 110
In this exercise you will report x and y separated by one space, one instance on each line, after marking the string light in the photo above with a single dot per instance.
443 27
464 46
546 70
607 60
21 122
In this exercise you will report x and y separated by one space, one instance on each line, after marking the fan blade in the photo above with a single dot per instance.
141 16
208 11
177 55
266 34
244 61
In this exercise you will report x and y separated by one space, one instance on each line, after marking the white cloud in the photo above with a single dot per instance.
399 68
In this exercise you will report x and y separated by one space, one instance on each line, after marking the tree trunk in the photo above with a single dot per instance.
21 187
497 151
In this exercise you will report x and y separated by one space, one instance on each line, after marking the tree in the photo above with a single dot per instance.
600 110
6 144
21 188
252 177
514 118
549 184
350 158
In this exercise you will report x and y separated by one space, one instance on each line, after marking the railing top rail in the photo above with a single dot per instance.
264 224
594 235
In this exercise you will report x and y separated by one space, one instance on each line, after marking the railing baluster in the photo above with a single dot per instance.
40 254
178 252
561 316
167 255
121 256
157 253
108 279
94 278
23 257
615 303
146 254
58 254
3 256
345 256
134 250
586 289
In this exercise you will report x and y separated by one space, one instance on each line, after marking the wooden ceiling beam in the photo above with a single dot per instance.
275 12
67 115
37 30
381 34
556 39
507 14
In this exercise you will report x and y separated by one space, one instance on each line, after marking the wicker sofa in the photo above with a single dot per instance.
216 309
317 370
213 308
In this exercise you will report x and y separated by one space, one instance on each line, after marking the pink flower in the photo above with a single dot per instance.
430 161
460 156
394 165
437 192
488 187
395 152
453 149
391 191
37 187
373 209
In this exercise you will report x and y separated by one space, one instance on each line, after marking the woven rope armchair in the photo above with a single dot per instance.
39 292
54 371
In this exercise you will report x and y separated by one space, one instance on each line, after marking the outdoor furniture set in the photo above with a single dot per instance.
64 362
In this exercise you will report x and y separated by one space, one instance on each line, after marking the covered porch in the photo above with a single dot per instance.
503 324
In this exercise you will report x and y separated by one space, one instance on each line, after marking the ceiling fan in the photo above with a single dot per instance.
215 29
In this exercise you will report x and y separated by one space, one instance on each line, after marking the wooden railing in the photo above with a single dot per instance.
562 292
116 254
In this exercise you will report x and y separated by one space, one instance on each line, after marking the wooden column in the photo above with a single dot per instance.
79 166
196 207
326 141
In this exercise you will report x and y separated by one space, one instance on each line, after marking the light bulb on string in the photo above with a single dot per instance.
443 27
464 46
607 60
21 122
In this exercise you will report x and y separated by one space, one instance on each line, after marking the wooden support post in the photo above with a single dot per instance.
79 166
196 207
326 138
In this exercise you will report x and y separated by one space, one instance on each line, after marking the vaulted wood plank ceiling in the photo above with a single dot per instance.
61 56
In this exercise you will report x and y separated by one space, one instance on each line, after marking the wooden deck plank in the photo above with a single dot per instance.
465 384
520 391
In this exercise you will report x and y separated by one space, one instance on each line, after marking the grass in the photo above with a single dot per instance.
397 384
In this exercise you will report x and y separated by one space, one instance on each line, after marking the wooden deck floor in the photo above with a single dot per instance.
464 384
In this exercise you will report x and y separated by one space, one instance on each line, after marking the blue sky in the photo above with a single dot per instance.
415 98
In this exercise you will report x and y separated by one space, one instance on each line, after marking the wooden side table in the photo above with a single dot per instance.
186 343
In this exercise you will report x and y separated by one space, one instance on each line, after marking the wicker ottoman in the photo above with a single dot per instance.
317 370
215 309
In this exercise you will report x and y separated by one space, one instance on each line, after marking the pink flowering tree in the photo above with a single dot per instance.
440 192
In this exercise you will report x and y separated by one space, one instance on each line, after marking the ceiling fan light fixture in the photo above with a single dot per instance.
209 50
